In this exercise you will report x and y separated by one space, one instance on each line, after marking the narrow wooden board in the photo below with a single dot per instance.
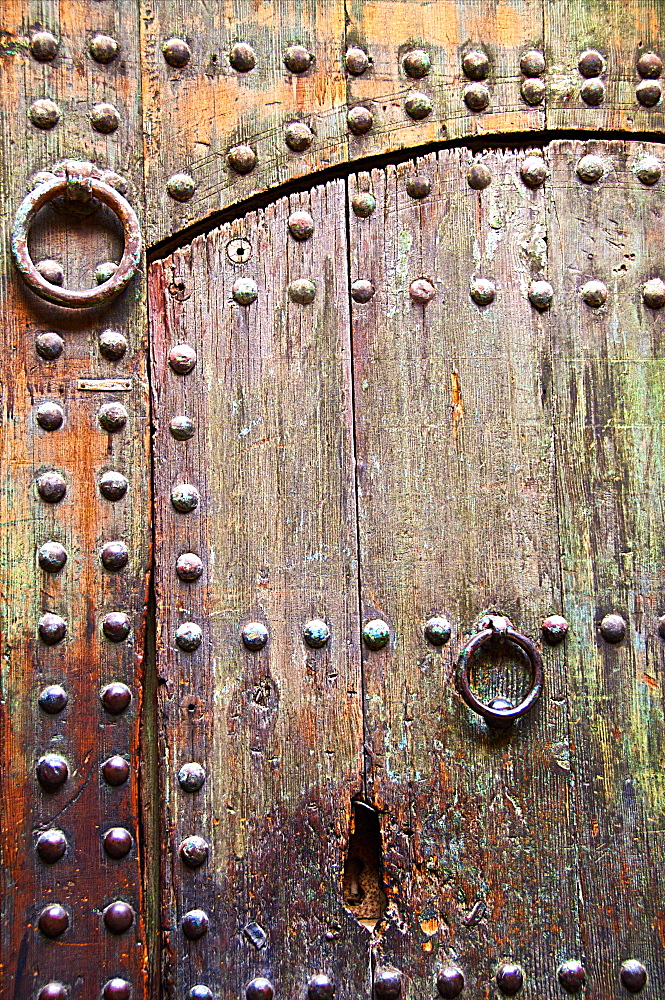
279 731
608 383
457 517
85 880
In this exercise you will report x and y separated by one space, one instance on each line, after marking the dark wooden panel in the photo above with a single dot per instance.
457 517
608 364
85 880
279 730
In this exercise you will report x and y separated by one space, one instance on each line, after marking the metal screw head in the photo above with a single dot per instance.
104 118
316 633
422 291
117 842
254 635
182 428
116 698
52 629
633 975
118 917
51 271
51 487
554 629
298 136
571 975
438 631
49 346
479 176
182 359
112 345
199 993
363 204
245 291
302 291
53 920
44 113
590 63
533 171
180 186
509 978
104 272
359 120
320 987
593 92
115 771
613 628
648 93
259 989
52 771
362 290
112 485
103 48
297 59
242 57
648 170
52 557
418 187
650 65
191 777
189 567
476 65
653 293
476 96
117 989
51 846
53 699
176 52
532 63
541 294
590 169
195 924
356 60
450 982
376 634
594 293
241 158
301 225
239 250
188 636
482 291
417 64
44 46
114 556
116 626
418 105
194 851
112 417
387 984
52 991
533 91
185 498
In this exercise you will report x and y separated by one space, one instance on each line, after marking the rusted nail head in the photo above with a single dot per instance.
590 169
649 93
534 171
112 485
438 631
182 358
649 170
117 989
194 851
195 924
591 63
52 557
116 626
320 987
376 633
245 291
476 96
116 698
417 63
387 984
117 842
112 417
53 920
112 345
180 186
242 57
593 92
509 978
316 633
297 59
51 271
241 158
44 113
450 982
418 105
191 777
633 975
571 975
359 120
653 293
52 629
422 291
418 187
52 771
49 346
51 846
185 498
362 290
199 992
114 556
53 699
482 291
44 46
254 635
182 428
51 487
50 416
533 91
104 117
356 60
363 204
541 294
554 629
259 989
53 991
650 65
301 225
189 567
188 636
298 136
532 63
476 65
103 48
613 628
115 771
479 176
176 52
118 917
302 291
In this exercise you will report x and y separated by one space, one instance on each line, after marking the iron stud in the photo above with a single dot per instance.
52 629
532 63
613 628
112 485
593 92
182 359
302 291
49 346
509 978
259 989
116 698
297 59
195 924
112 417
479 176
450 982
417 64
52 771
649 93
418 105
418 187
533 171
541 294
376 634
590 169
316 633
320 987
356 60
117 842
185 498
180 187
476 97
117 989
241 158
649 170
176 52
533 91
103 48
118 917
188 636
301 225
438 631
649 65
633 975
114 556
242 57
182 428
104 118
44 46
51 271
254 635
44 113
199 992
52 557
116 626
482 291
51 846
387 984
359 120
594 293
245 291
53 991
653 293
53 920
51 487
53 699
189 567
476 65
194 851
422 291
571 975
191 777
112 345
298 136
554 629
115 771
363 204
590 63
362 290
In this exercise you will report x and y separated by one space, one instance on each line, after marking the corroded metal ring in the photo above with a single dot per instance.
499 717
75 298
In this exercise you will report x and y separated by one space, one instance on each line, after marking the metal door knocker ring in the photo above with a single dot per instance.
499 716
74 298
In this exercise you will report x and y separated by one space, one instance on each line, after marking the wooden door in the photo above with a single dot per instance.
265 486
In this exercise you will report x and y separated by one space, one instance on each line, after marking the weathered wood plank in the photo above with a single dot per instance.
608 379
86 879
457 517
620 33
279 730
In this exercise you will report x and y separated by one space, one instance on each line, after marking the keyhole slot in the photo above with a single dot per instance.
363 890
